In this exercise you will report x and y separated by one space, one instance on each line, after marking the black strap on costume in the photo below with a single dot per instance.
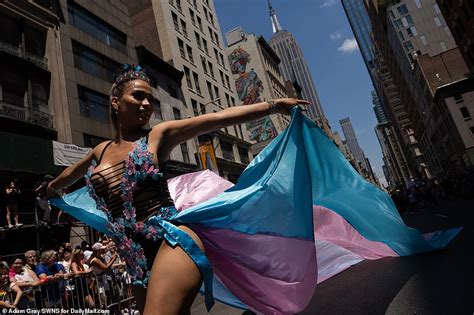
103 151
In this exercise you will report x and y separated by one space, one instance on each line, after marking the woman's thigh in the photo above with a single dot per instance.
175 280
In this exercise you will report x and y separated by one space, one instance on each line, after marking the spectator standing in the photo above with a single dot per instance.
50 271
31 260
80 281
12 195
100 267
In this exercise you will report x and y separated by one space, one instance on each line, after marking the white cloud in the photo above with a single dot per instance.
328 3
335 35
348 46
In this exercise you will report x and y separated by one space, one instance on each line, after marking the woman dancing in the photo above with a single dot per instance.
124 179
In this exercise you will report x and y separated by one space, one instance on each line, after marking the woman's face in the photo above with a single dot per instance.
18 265
3 275
135 106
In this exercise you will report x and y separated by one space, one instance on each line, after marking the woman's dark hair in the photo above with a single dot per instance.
126 74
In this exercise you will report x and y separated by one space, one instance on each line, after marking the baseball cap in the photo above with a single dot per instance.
98 246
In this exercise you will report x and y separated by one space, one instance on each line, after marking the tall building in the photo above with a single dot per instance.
427 58
352 142
186 34
387 106
294 68
29 92
254 66
460 18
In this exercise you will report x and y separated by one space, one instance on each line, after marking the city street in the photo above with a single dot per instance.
432 283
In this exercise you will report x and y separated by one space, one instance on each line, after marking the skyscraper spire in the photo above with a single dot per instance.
275 24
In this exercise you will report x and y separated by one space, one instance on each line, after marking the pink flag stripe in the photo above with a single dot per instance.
271 274
331 227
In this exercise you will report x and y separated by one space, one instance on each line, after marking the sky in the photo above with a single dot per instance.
322 30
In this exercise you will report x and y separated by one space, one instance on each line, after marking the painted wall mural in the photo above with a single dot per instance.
249 88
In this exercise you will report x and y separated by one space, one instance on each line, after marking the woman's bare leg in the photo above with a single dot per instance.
175 280
9 221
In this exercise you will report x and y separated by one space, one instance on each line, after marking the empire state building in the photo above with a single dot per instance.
293 66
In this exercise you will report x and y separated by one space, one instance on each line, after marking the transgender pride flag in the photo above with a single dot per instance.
298 215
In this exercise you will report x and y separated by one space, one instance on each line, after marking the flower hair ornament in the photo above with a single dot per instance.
130 72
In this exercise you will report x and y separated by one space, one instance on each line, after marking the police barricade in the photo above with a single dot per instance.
111 291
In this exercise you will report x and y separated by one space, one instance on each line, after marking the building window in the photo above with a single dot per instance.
227 99
398 24
222 77
196 83
443 46
209 89
173 91
199 23
157 110
222 60
187 74
448 32
175 21
211 18
418 4
458 98
204 64
244 155
409 20
436 8
204 45
400 34
93 63
195 107
184 28
97 28
227 81
176 113
93 105
185 152
423 40
408 45
409 32
227 151
191 14
402 10
437 21
190 54
472 130
178 5
211 33
218 96
211 68
181 48
412 31
465 113
198 40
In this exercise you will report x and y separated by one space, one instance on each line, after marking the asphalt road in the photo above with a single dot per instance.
439 282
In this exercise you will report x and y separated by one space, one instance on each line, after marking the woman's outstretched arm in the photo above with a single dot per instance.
74 172
177 131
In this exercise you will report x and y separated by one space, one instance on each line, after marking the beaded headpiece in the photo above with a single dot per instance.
130 72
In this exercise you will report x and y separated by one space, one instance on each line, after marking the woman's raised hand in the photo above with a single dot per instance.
284 105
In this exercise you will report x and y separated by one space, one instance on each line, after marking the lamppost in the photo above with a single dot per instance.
196 141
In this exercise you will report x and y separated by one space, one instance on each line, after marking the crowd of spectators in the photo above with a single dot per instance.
83 277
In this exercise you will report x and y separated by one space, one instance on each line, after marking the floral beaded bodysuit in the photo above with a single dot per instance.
129 193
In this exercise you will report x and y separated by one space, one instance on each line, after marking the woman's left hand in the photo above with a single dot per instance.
284 105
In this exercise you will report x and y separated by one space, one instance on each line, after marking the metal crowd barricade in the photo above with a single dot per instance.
105 291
